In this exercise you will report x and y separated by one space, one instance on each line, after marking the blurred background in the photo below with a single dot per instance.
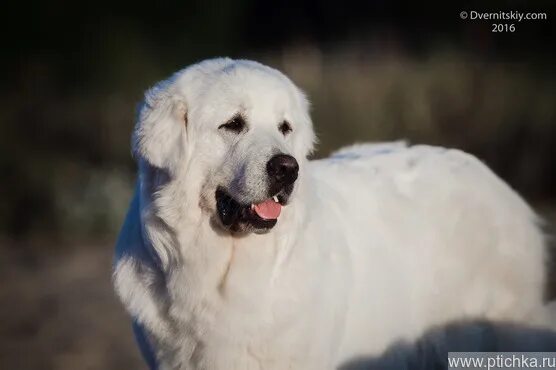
74 72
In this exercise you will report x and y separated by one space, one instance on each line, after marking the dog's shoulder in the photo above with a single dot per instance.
427 174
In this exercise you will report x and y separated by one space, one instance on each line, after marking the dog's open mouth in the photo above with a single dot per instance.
256 216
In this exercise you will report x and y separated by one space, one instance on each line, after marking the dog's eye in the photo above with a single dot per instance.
236 124
285 128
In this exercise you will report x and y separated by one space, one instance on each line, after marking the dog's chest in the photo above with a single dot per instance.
271 332
253 313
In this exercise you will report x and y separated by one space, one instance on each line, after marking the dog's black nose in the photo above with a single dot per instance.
282 170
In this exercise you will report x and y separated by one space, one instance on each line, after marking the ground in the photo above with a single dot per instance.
58 310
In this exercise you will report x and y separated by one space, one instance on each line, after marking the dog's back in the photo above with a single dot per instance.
433 236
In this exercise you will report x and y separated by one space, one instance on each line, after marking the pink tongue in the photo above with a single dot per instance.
269 209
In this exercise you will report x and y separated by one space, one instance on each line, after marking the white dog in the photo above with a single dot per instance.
239 253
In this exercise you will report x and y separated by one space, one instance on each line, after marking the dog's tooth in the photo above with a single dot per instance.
275 198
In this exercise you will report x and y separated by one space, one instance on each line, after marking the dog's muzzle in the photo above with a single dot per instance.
261 215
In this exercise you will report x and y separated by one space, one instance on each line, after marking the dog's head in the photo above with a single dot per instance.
233 134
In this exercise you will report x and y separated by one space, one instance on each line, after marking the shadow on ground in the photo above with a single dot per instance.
430 352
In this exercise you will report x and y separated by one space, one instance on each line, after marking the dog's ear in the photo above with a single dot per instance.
305 143
160 132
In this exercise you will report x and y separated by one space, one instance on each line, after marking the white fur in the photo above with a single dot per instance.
379 242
